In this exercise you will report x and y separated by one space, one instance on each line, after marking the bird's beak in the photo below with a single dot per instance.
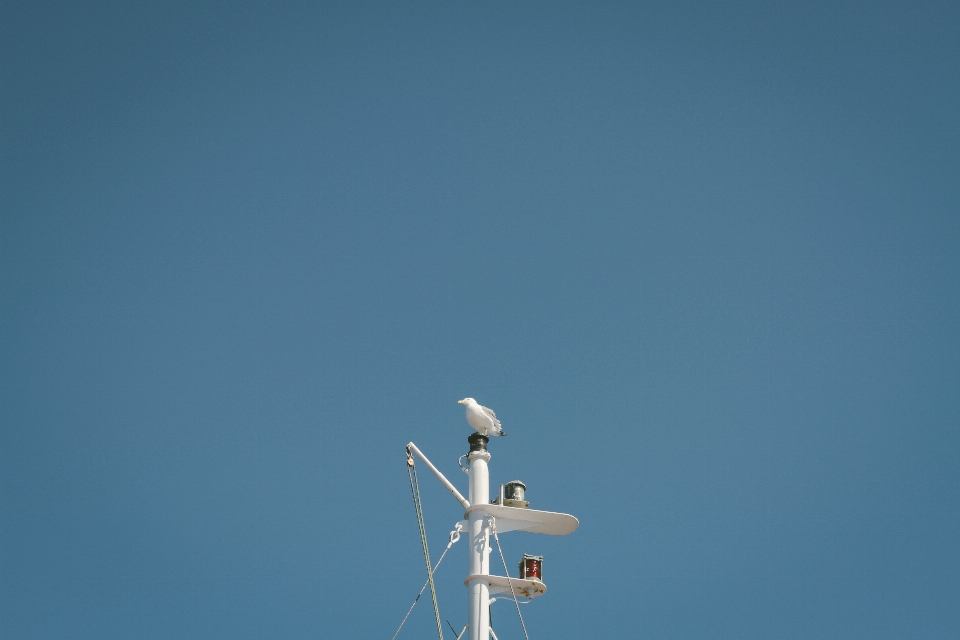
459 401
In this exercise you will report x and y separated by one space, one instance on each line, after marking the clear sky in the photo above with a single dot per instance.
703 261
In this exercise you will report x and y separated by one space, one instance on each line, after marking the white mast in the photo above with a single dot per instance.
478 589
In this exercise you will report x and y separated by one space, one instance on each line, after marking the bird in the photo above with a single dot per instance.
482 419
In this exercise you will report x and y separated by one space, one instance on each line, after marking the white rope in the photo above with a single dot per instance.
415 490
506 572
454 537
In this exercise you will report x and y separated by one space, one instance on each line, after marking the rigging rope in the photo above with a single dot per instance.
454 537
506 572
415 490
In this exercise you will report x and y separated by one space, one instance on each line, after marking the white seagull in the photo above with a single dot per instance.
482 419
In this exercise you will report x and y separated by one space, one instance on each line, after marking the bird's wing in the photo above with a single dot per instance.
489 412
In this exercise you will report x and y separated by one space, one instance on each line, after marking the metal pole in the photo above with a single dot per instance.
478 591
443 480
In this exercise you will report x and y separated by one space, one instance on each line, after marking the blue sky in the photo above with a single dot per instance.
703 260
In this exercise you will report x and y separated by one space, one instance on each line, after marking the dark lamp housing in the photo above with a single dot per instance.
512 495
514 490
531 567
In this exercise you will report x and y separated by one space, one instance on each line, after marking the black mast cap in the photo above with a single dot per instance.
478 442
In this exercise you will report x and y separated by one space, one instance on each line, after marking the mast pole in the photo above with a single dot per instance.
478 591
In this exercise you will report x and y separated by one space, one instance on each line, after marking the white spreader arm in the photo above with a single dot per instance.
531 520
452 489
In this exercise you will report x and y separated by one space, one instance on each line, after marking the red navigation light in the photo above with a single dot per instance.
531 567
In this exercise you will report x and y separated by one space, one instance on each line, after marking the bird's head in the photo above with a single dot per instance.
467 401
